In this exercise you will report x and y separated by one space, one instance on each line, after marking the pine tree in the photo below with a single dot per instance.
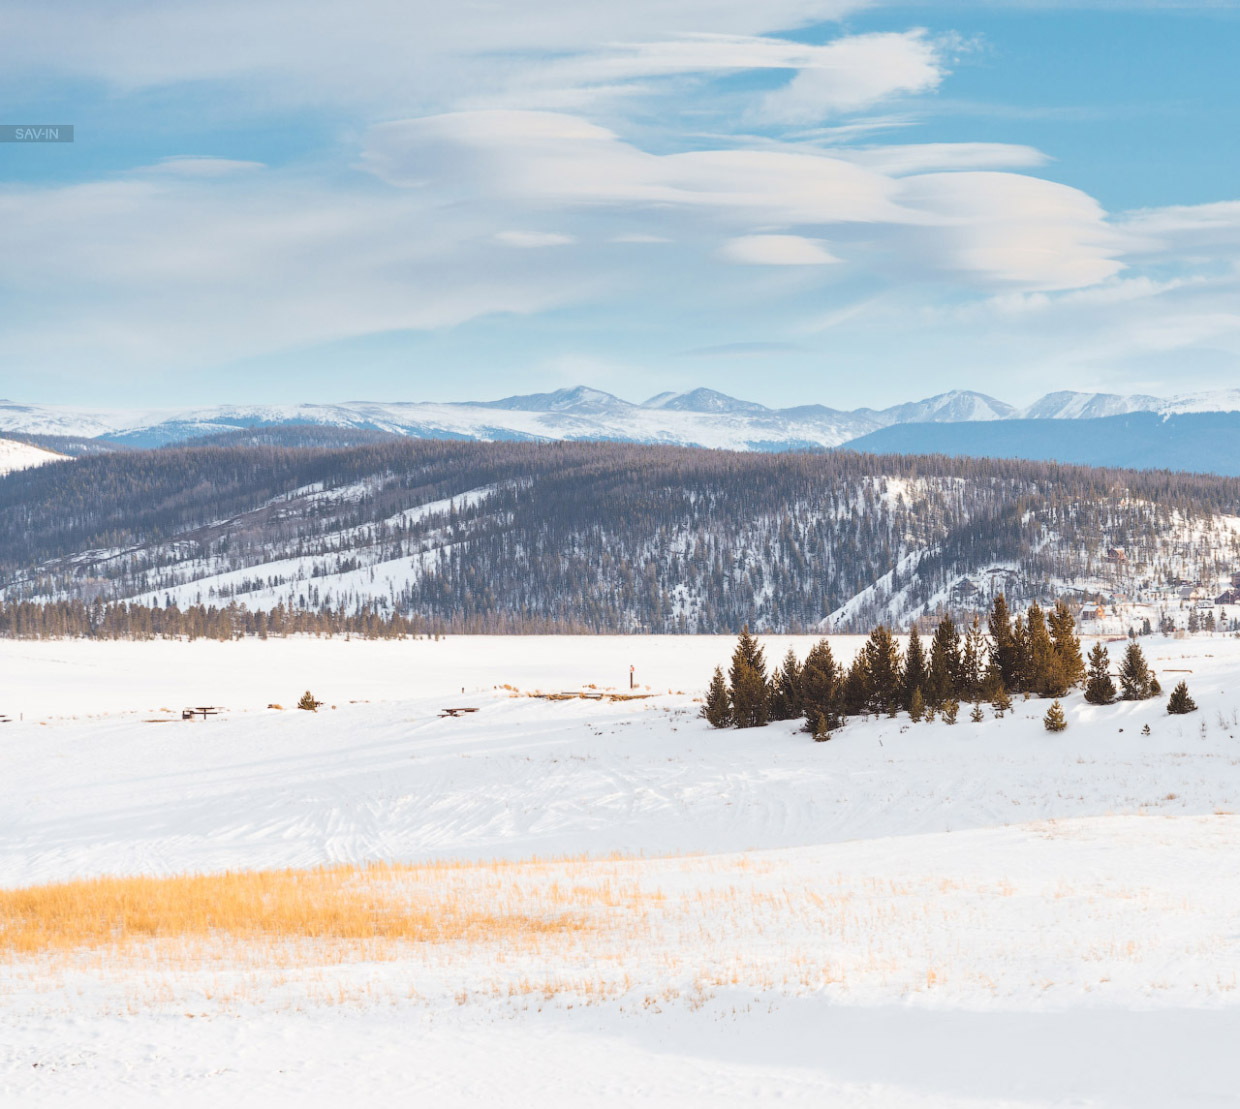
1054 720
1024 673
308 702
1067 644
951 708
858 688
1194 621
917 706
914 669
882 657
1180 703
1045 674
822 690
972 661
786 689
717 708
1099 689
822 732
1134 675
747 684
977 716
1004 655
944 674
1001 702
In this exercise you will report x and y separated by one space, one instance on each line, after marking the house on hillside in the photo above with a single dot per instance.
1117 554
1192 593
1228 597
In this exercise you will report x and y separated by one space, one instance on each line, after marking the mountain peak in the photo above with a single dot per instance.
579 398
704 400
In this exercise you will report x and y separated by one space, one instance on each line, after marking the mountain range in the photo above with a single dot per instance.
701 417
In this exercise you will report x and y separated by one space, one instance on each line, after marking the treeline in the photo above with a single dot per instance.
78 620
1035 654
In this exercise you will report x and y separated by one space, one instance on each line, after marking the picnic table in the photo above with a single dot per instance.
456 712
201 710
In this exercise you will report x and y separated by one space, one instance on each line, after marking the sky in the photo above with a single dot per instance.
793 201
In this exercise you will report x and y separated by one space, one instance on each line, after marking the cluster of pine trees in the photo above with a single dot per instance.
1035 654
78 620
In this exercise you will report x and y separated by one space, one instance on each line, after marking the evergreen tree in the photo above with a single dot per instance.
917 706
786 689
1180 703
1045 674
945 663
1194 621
822 732
1067 644
972 662
1134 675
308 702
1004 655
977 716
1001 702
747 684
1099 688
717 708
882 657
858 687
1022 676
822 690
951 709
1054 720
914 670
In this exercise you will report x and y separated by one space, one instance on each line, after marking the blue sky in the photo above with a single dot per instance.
797 201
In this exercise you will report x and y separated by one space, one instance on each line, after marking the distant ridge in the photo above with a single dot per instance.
700 417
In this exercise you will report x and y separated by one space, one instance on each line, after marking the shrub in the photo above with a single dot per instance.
308 702
950 710
1180 703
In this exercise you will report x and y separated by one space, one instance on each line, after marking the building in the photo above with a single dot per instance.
1117 554
1229 597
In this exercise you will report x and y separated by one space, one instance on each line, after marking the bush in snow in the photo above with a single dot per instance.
1180 703
308 702
1054 720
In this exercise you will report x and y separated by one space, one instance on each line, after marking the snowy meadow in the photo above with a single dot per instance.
561 898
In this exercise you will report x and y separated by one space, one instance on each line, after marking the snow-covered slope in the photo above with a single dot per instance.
22 456
700 417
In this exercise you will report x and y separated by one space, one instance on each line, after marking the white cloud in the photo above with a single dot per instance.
777 250
527 239
201 166
898 160
984 228
854 72
403 54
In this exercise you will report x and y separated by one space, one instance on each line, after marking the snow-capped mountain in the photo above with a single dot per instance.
700 417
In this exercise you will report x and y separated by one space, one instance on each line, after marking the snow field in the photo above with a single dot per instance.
908 915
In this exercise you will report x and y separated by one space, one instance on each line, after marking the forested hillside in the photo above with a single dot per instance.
600 537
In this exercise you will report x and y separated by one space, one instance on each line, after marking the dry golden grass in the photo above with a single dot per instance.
375 902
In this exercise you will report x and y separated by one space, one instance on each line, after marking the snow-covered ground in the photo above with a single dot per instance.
921 915
22 456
